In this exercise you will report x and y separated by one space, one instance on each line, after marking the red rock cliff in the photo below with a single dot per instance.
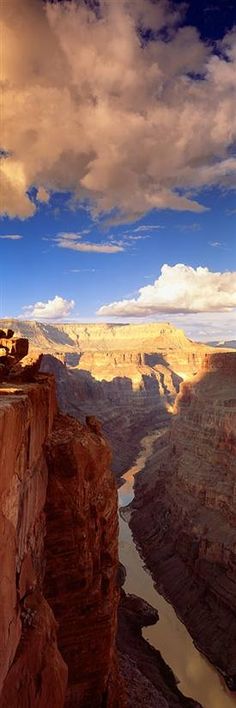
82 558
32 671
57 630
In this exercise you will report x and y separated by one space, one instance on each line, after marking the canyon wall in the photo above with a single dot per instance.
184 513
58 551
82 559
32 669
127 375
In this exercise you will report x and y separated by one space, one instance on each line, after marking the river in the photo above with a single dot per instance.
196 677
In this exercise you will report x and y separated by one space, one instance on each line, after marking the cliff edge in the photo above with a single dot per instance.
58 550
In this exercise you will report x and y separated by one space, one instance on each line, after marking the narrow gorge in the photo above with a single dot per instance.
71 616
183 514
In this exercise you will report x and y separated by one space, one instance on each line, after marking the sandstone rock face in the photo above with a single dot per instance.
110 347
82 559
185 509
32 671
127 375
62 516
12 350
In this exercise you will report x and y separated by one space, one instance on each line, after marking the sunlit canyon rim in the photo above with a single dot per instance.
118 354
60 524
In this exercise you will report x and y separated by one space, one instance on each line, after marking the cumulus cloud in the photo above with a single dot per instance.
179 289
57 309
72 242
11 237
120 123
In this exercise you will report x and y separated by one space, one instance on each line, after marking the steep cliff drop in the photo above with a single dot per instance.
59 510
184 514
32 670
82 559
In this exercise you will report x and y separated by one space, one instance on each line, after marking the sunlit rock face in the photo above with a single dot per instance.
127 375
185 509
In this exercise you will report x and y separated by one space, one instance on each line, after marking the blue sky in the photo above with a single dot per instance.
115 178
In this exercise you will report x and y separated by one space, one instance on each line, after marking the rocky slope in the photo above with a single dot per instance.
184 513
148 680
127 375
58 513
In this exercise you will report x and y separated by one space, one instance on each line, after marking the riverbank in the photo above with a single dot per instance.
197 679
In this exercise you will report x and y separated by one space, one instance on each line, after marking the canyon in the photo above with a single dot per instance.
126 375
61 586
184 511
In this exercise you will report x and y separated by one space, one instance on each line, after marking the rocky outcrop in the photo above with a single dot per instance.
58 551
12 350
185 510
82 559
32 671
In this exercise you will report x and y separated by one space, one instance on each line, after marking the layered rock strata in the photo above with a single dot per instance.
184 513
128 375
57 630
82 559
32 671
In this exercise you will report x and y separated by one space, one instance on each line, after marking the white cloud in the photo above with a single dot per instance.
83 270
11 237
146 227
179 289
57 309
216 244
72 242
76 113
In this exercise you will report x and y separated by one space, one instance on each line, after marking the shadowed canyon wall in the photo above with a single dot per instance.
58 550
184 513
127 375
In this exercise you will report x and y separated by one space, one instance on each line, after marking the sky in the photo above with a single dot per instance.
118 163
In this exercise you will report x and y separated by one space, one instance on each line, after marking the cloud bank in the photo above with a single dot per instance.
11 237
179 289
57 309
122 124
72 241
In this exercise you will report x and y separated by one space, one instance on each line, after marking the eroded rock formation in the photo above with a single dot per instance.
57 630
12 350
32 671
185 509
82 559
